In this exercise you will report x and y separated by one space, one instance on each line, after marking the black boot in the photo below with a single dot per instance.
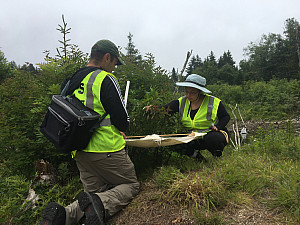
92 207
54 214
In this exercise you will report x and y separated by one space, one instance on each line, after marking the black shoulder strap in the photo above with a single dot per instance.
64 93
96 125
77 77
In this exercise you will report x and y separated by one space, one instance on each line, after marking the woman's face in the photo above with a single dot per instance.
191 93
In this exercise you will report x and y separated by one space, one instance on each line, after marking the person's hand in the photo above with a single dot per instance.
123 134
148 108
214 128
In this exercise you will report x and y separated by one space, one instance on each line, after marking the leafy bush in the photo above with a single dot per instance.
273 100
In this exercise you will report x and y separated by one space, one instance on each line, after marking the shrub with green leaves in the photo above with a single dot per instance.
273 100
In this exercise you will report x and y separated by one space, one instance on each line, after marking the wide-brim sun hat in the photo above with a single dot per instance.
195 81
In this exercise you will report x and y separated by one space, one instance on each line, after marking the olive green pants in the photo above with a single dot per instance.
109 175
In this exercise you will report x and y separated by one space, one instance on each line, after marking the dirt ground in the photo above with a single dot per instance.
147 209
253 125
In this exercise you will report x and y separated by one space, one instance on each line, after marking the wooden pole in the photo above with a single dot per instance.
162 135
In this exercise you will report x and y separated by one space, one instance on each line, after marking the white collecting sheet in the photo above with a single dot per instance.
155 140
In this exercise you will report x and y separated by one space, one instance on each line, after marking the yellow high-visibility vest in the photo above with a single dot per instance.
205 116
107 137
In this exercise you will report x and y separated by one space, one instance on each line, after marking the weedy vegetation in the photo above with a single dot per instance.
258 181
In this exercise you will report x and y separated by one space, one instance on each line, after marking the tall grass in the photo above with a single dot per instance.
266 170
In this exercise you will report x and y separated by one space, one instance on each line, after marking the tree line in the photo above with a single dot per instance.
274 56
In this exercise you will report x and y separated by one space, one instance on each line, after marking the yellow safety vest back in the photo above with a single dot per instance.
107 137
205 116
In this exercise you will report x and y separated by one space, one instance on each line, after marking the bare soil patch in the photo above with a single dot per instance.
147 209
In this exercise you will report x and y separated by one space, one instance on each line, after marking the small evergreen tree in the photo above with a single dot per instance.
5 70
191 66
133 53
226 59
174 75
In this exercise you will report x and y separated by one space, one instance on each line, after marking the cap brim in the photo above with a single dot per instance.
188 84
120 61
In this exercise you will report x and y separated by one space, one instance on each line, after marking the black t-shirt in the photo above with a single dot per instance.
110 96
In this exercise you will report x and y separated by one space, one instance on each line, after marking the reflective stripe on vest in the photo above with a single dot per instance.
183 100
205 115
89 86
90 97
105 122
210 107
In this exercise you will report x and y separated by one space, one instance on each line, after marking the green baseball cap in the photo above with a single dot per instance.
107 46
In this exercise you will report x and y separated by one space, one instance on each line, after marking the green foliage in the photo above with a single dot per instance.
274 56
17 122
166 176
272 174
13 192
206 217
5 70
143 75
14 209
273 100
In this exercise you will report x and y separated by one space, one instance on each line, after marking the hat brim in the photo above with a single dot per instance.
189 84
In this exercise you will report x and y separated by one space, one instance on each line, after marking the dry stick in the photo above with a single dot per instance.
237 128
235 138
188 55
241 117
243 123
234 145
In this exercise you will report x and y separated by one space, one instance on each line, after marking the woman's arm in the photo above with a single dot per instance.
223 117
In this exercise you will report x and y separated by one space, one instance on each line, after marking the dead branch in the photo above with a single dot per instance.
188 55
236 130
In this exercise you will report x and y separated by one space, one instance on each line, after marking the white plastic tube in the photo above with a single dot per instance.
126 92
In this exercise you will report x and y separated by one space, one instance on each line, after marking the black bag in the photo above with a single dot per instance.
68 123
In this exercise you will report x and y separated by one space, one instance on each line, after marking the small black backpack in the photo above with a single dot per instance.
68 123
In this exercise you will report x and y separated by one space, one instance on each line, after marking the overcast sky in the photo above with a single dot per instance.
165 28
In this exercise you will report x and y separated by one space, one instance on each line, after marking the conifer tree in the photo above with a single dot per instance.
4 67
174 75
133 53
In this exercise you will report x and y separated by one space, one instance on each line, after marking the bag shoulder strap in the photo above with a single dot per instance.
64 91
96 125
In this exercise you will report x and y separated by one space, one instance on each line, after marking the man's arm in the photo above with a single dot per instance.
113 103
